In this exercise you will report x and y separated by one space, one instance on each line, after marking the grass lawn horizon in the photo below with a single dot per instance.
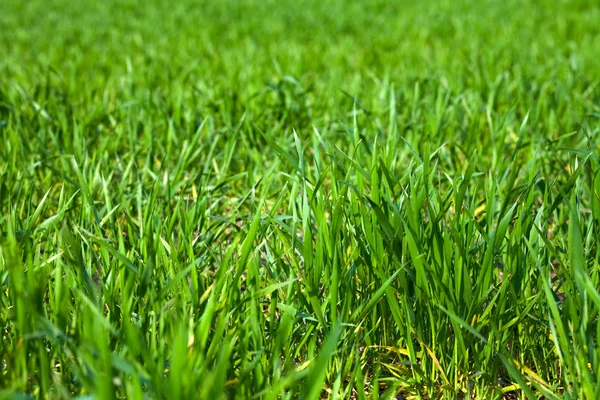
299 199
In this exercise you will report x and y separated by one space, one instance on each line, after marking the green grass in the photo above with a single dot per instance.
299 199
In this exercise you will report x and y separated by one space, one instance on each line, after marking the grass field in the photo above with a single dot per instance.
299 199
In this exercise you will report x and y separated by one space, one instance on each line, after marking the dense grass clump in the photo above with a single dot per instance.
299 199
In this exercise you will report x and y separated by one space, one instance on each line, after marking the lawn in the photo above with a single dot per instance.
299 199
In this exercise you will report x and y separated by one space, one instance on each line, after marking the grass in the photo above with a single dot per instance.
299 199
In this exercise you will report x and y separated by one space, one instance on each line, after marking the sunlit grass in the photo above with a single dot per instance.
299 199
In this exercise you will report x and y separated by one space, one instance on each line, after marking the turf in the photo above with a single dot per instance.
299 199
